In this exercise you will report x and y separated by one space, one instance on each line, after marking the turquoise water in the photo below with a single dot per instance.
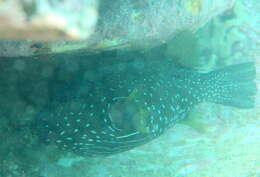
215 141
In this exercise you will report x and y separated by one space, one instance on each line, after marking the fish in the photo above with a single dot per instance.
123 110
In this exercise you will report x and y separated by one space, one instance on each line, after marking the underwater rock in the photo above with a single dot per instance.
92 26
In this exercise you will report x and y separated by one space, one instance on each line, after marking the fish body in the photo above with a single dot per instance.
122 112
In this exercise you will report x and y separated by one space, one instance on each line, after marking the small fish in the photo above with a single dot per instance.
119 112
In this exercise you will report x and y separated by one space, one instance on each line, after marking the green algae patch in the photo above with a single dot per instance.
197 125
110 44
67 47
81 45
194 7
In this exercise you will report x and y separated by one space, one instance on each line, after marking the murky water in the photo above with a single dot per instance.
214 140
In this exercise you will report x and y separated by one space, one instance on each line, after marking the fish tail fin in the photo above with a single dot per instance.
233 85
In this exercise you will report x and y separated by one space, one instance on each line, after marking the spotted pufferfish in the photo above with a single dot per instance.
122 111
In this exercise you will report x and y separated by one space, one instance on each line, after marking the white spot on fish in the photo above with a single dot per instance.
62 133
93 131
